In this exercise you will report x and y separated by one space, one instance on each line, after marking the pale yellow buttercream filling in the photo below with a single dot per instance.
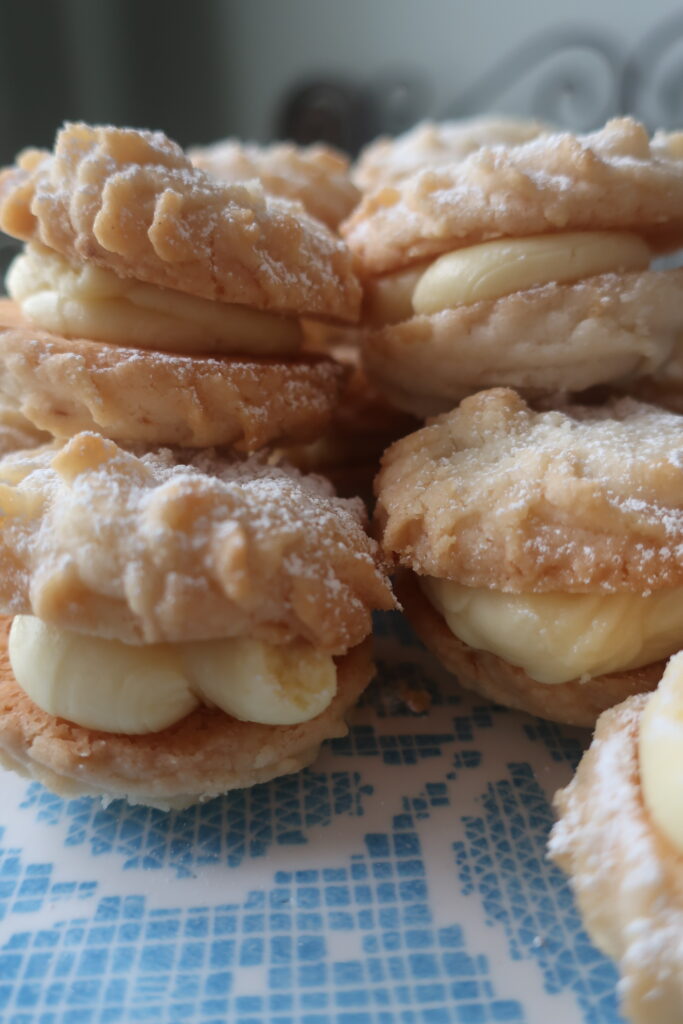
559 637
120 688
661 753
89 302
494 269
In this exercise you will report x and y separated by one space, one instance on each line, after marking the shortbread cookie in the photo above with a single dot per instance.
65 385
549 544
317 176
148 549
180 627
203 755
434 143
133 203
508 267
625 871
139 270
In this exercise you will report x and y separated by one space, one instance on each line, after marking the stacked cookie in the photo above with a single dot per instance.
541 550
363 423
529 267
184 622
539 531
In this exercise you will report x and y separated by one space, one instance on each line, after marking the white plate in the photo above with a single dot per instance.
402 880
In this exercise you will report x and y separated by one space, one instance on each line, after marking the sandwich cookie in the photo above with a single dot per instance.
619 837
542 552
175 629
155 305
527 267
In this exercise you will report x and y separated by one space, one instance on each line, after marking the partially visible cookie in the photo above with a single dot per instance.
433 143
625 872
317 176
556 338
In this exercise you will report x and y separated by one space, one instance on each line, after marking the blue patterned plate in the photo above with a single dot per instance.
402 880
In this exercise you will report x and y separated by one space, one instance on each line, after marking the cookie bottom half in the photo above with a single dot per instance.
203 755
555 338
573 703
65 385
626 876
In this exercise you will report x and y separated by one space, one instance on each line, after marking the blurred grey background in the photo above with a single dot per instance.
339 70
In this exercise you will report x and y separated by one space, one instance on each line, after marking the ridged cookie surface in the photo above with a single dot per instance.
615 179
158 547
552 338
493 494
132 202
65 385
626 876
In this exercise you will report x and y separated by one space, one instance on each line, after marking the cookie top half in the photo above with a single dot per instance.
577 500
432 143
166 547
132 202
616 178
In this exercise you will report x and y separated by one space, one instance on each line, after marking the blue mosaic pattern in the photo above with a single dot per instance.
129 962
24 891
502 859
242 824
401 881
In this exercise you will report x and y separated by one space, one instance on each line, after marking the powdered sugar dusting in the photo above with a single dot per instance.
133 202
612 179
574 500
166 546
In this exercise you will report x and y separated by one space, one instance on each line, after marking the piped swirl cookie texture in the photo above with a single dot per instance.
581 499
147 549
616 178
66 385
132 202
